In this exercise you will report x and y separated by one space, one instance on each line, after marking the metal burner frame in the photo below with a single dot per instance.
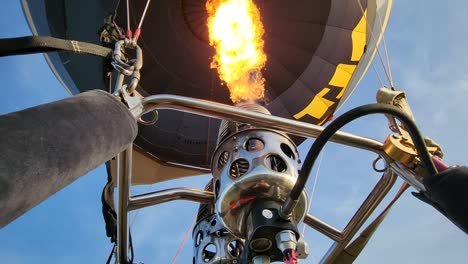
140 106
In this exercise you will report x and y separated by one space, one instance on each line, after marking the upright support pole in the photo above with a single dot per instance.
124 175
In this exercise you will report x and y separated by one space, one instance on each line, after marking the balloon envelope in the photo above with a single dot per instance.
317 52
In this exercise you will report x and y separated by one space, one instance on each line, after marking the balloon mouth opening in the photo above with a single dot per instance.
236 33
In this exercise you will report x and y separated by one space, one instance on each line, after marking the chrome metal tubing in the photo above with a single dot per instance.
123 184
153 198
407 175
362 214
228 112
231 113
372 201
323 227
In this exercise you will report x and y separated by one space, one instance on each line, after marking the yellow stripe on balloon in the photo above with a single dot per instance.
340 79
317 107
359 38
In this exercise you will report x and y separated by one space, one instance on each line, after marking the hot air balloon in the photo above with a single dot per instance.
317 52
314 53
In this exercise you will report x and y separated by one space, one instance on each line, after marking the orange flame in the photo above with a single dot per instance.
236 31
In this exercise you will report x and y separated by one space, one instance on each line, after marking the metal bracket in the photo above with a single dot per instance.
128 92
125 67
399 146
398 99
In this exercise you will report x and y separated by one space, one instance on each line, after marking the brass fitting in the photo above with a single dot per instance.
401 148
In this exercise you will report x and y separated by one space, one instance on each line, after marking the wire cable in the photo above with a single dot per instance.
378 75
386 51
129 31
376 46
144 13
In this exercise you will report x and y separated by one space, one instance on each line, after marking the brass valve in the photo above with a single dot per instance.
401 148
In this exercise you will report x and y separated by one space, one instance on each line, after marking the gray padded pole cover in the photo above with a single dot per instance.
47 147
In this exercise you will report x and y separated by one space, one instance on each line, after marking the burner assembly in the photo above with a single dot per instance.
254 170
213 244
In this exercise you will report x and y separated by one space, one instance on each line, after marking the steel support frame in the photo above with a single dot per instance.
375 197
127 203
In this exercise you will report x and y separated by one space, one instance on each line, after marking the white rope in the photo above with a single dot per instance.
128 16
386 51
144 14
384 65
378 75
314 185
117 28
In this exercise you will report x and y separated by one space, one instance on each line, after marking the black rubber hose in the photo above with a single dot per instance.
346 118
47 147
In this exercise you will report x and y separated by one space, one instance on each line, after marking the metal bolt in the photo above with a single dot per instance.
268 214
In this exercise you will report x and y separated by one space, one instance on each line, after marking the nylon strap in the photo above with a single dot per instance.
37 44
352 251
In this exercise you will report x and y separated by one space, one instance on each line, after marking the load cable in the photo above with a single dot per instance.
386 52
378 76
129 31
138 30
384 65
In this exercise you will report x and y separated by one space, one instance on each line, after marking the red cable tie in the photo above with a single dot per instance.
129 33
137 34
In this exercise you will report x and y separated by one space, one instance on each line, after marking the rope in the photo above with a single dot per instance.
129 31
138 30
174 260
378 76
386 52
313 188
377 47
144 14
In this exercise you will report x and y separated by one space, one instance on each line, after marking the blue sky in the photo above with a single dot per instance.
427 42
